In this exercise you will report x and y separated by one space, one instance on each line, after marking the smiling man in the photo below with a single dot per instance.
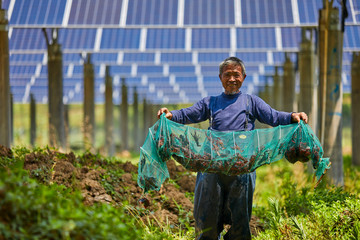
221 199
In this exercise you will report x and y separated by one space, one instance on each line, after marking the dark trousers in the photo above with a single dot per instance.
221 199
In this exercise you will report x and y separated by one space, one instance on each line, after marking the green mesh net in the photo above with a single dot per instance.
230 153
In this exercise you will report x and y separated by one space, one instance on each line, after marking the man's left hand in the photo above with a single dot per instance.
296 117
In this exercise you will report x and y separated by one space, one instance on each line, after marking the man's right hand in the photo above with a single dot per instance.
166 111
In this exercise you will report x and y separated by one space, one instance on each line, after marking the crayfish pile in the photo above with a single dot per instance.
230 153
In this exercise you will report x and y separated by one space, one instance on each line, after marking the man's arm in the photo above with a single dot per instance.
266 114
197 113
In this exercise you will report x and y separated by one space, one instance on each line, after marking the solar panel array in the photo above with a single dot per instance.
168 49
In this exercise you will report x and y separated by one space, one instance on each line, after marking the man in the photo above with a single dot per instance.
221 199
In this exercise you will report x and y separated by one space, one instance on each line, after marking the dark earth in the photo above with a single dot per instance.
100 180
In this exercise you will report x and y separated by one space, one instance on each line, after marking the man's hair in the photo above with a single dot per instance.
232 61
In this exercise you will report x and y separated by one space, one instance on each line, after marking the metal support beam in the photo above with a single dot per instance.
355 99
289 95
89 104
5 137
32 120
277 91
124 116
145 120
308 101
136 121
109 118
55 92
334 98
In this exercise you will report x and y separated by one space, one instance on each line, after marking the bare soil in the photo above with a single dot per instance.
89 173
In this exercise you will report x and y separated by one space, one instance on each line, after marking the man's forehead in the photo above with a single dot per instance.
232 68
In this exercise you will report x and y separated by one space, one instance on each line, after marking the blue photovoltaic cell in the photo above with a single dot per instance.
120 38
78 70
19 81
82 38
5 4
95 12
32 12
41 82
150 69
210 38
27 38
71 57
279 57
210 70
352 37
212 57
266 11
145 12
139 57
135 81
255 38
309 11
181 69
72 82
120 70
211 82
26 58
291 37
209 12
252 69
159 81
252 57
18 92
18 70
104 57
176 57
165 38
187 81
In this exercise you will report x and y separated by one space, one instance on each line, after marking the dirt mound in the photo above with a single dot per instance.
5 152
99 181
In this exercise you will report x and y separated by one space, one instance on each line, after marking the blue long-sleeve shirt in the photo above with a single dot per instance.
229 112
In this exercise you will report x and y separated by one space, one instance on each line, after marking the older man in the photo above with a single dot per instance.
221 199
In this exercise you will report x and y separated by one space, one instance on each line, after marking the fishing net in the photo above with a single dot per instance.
230 153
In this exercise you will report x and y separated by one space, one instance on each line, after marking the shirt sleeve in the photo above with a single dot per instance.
197 113
266 114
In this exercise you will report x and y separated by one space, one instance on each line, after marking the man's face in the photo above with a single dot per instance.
232 78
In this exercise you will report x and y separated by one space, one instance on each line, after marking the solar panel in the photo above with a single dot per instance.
161 38
352 38
81 38
258 38
5 4
209 12
95 12
308 11
210 38
17 58
139 57
212 57
19 70
27 39
266 11
118 38
144 12
106 58
182 69
291 37
30 12
154 42
176 57
252 57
